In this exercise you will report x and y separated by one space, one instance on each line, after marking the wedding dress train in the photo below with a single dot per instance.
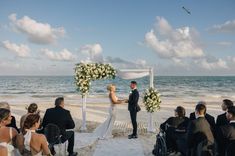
104 130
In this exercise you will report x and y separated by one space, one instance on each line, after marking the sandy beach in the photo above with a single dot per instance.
97 113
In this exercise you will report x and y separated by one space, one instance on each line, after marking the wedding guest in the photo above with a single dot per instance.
62 118
32 108
7 134
210 119
198 132
30 142
226 133
174 128
13 120
221 119
3 151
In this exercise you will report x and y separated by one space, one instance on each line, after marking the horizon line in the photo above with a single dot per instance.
118 76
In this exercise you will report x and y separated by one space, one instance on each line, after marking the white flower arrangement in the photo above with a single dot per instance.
85 73
151 100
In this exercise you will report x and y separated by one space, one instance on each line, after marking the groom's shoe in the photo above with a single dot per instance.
73 154
130 136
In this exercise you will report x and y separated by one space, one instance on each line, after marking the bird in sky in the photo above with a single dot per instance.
186 10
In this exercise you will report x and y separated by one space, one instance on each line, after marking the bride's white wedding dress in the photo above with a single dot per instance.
104 130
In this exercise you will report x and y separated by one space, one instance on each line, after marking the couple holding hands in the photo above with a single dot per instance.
104 130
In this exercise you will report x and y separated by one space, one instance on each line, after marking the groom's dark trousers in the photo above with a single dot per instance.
134 123
132 107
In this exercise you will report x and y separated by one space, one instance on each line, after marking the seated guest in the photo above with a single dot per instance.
30 142
210 119
62 118
174 127
13 120
7 134
199 131
221 119
226 133
3 151
33 108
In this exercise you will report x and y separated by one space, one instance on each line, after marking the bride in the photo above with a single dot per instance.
104 130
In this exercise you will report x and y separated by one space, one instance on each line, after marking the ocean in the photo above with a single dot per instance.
27 89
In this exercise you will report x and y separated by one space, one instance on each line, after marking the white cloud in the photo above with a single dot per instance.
94 52
41 33
20 50
224 43
181 47
141 62
227 27
63 55
173 43
212 65
162 26
7 65
231 59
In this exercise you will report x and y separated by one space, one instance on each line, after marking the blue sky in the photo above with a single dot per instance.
50 37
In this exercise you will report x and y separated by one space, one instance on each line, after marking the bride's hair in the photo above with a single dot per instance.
110 86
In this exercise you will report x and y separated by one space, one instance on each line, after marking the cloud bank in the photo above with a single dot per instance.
19 50
63 55
93 51
181 46
36 32
227 27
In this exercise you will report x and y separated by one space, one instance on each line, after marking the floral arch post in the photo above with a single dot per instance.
84 74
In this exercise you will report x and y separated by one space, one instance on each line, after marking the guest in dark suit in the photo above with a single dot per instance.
221 119
132 107
175 128
210 119
226 133
62 118
13 119
199 133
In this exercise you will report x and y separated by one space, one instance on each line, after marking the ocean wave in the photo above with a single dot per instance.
46 96
18 92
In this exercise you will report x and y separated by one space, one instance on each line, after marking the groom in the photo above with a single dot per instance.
132 107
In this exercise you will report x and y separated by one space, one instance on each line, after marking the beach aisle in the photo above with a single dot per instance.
119 147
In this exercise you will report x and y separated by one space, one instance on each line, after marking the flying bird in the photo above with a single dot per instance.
186 10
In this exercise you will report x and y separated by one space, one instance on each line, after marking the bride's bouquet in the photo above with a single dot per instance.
151 100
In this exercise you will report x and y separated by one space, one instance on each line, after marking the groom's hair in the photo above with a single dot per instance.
58 101
134 82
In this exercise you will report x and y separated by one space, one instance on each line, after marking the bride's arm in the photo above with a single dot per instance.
114 99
